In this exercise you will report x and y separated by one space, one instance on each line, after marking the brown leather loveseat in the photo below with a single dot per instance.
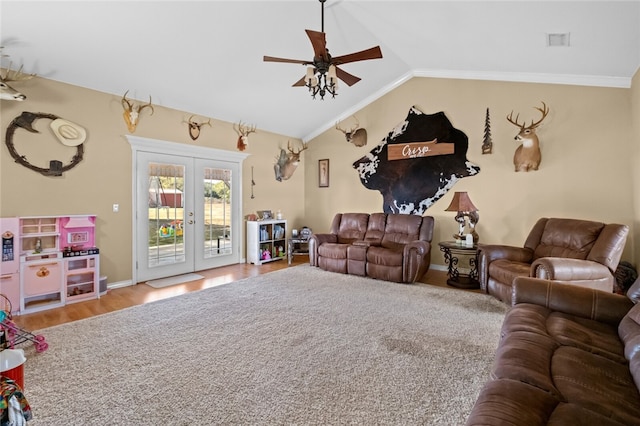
568 251
391 247
567 355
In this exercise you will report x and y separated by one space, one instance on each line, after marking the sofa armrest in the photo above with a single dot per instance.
416 260
493 252
421 248
487 253
579 301
565 269
315 240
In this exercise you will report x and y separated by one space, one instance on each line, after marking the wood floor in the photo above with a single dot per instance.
125 297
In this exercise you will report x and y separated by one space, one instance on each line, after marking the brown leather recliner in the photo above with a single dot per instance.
345 229
568 251
391 247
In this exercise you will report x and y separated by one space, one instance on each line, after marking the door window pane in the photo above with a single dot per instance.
217 212
166 214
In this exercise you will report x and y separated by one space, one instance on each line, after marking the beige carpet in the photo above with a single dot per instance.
298 346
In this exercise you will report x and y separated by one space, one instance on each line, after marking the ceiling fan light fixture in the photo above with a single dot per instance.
323 73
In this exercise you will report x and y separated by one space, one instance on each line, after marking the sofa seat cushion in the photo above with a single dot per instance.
589 335
505 271
532 407
384 256
596 383
526 357
497 406
333 250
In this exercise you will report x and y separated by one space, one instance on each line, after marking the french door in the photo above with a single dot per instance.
187 210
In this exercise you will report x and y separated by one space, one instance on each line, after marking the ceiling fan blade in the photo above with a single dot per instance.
319 43
350 79
291 61
300 82
372 53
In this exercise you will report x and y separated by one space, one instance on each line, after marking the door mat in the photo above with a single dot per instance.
169 281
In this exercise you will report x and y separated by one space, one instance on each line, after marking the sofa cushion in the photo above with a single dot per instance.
537 349
568 238
376 229
505 271
401 229
333 250
353 226
591 336
496 405
596 383
384 256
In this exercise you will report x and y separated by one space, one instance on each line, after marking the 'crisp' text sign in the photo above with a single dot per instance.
403 151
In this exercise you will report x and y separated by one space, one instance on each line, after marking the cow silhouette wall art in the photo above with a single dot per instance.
417 163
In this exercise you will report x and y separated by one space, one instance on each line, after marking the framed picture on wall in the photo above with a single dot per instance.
323 173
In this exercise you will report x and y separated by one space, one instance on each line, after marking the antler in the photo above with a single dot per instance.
124 101
14 75
544 110
515 123
353 129
146 105
304 146
243 130
195 123
128 106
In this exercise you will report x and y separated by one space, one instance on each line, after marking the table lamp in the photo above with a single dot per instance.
467 213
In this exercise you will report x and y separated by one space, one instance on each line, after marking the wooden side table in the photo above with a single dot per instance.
453 253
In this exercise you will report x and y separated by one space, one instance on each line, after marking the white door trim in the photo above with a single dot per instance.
140 144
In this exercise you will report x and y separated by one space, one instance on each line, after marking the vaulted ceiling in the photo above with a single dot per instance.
206 57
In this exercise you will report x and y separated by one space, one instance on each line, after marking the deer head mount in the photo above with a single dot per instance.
243 134
287 162
132 112
194 127
356 136
7 92
527 156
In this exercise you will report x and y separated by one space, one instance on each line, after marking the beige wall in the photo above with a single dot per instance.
104 176
589 148
586 168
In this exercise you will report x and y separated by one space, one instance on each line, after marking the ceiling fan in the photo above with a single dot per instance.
325 66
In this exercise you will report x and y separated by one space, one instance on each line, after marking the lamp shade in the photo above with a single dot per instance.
461 203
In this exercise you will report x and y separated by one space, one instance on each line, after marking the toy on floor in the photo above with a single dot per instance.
11 334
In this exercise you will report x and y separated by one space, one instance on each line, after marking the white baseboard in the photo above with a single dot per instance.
119 284
439 267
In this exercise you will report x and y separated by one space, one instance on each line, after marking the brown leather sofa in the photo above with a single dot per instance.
569 251
391 247
567 355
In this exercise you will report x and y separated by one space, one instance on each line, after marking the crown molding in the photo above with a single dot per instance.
565 79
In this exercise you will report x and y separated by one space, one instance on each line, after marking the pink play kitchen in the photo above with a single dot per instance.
48 261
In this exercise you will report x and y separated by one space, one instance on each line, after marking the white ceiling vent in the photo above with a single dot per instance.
558 39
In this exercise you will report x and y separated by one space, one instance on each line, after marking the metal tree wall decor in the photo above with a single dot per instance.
487 144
